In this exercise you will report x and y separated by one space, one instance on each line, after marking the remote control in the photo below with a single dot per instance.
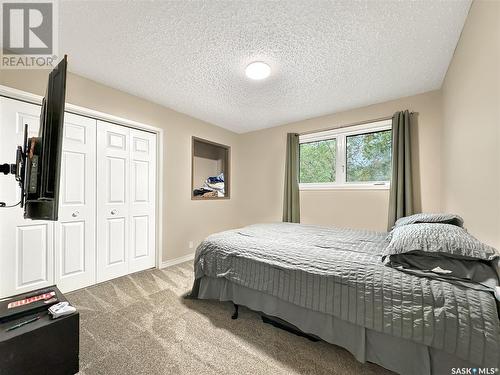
61 309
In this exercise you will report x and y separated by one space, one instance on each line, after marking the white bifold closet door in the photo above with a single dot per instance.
126 175
27 247
75 230
142 200
37 253
107 218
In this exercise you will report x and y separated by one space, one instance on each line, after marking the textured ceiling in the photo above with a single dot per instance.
326 56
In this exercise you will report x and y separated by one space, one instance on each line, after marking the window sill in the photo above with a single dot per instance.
326 186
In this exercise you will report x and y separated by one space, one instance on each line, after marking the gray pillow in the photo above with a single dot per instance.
430 218
438 240
458 271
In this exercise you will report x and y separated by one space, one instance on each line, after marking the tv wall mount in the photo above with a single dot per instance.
19 168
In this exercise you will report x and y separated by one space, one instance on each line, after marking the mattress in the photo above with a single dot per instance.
339 272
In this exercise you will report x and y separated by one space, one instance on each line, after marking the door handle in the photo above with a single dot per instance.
75 214
113 212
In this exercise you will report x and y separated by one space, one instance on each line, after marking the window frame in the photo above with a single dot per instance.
341 134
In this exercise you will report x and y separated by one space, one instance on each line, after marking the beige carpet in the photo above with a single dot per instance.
141 324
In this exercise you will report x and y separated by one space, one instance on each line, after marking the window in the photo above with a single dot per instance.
317 161
352 157
369 157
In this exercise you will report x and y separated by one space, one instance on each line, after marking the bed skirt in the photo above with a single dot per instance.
394 353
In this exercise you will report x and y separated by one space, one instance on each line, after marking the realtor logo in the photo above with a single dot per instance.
29 34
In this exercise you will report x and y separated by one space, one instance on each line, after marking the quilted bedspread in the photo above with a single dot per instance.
340 272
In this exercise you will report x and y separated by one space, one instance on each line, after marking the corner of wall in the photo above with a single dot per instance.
471 118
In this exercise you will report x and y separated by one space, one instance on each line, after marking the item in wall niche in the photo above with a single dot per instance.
216 179
210 194
215 183
219 186
212 188
200 192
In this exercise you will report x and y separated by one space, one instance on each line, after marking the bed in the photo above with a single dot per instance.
332 283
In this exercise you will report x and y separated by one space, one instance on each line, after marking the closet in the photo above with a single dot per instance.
125 200
107 206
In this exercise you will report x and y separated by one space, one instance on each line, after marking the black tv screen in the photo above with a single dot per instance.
43 160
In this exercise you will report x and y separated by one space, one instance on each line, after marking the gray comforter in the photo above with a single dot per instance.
340 272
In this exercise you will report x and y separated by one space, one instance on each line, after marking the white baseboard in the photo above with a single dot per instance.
173 262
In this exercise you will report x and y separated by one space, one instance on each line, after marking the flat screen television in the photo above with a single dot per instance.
38 160
43 153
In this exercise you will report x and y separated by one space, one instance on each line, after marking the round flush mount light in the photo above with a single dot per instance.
258 70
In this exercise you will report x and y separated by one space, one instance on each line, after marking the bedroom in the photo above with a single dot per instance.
176 72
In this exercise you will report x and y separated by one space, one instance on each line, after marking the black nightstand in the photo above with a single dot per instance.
46 346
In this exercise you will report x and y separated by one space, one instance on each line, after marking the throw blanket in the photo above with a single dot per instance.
340 272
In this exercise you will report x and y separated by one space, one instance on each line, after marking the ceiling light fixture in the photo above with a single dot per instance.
258 70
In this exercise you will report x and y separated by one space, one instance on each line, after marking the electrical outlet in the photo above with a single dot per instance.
191 244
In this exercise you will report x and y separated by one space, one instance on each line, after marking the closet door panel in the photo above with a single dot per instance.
32 255
75 231
142 202
113 170
115 241
27 251
140 236
73 255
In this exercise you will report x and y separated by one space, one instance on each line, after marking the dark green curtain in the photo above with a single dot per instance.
401 193
291 200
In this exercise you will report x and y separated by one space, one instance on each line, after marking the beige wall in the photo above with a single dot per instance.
184 220
471 114
264 151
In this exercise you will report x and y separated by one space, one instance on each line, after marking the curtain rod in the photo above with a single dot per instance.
351 124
